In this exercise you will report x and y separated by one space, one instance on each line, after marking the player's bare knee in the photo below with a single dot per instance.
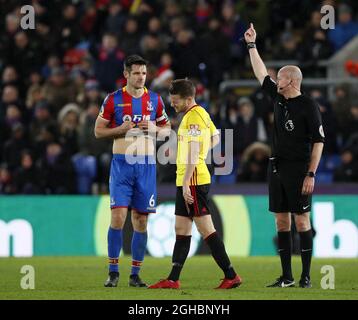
117 219
117 222
205 231
283 225
139 222
183 230
302 225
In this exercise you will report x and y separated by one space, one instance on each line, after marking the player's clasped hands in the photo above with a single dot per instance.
147 126
250 34
125 127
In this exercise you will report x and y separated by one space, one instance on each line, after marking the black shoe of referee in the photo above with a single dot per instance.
305 282
282 282
112 280
135 281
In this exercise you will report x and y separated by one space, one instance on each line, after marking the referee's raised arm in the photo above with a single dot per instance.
257 64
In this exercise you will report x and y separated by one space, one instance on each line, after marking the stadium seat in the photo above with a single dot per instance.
332 162
324 177
86 170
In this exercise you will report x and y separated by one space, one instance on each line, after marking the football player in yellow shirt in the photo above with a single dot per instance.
196 136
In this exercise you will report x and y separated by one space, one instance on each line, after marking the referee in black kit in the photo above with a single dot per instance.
291 172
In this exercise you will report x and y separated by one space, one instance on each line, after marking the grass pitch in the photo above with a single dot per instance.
77 278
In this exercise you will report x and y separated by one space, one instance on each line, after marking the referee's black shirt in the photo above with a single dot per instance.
297 124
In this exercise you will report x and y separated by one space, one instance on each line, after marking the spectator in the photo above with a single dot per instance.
10 95
351 127
13 116
263 102
341 105
6 185
34 92
348 170
23 54
109 62
92 94
57 172
12 23
68 32
254 163
10 77
41 120
115 19
249 128
287 48
58 89
233 27
316 47
330 126
13 147
216 47
185 52
26 176
131 37
89 145
345 29
152 48
68 121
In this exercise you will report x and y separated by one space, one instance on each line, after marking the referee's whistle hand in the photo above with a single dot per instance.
250 34
308 186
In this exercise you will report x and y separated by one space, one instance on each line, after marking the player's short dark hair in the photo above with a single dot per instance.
133 59
183 87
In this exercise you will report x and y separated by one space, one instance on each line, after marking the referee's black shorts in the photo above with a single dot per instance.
285 187
201 205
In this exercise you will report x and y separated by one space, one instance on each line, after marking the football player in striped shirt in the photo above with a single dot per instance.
131 116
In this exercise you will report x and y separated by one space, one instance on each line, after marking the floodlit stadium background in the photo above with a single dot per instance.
54 173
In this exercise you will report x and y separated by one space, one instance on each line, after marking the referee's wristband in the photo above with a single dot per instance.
311 174
251 45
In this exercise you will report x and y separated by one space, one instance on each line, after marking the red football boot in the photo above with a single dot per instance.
230 283
165 284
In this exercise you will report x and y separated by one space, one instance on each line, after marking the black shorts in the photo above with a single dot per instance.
285 187
201 205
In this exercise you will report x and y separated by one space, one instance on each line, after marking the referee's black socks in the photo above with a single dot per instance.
219 254
306 243
285 249
180 253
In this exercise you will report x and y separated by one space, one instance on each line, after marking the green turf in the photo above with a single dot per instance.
83 277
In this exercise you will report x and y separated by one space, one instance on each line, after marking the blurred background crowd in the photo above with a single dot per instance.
54 78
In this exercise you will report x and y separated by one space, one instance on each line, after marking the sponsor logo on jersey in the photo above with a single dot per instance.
127 117
194 130
149 105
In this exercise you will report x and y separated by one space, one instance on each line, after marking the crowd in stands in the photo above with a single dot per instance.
55 77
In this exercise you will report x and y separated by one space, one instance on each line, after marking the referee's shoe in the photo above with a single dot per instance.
305 282
282 282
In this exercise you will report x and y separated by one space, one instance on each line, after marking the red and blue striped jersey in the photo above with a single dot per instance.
120 106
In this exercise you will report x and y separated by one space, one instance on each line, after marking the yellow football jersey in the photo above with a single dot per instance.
196 125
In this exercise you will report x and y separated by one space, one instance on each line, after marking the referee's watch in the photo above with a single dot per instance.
310 174
251 45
